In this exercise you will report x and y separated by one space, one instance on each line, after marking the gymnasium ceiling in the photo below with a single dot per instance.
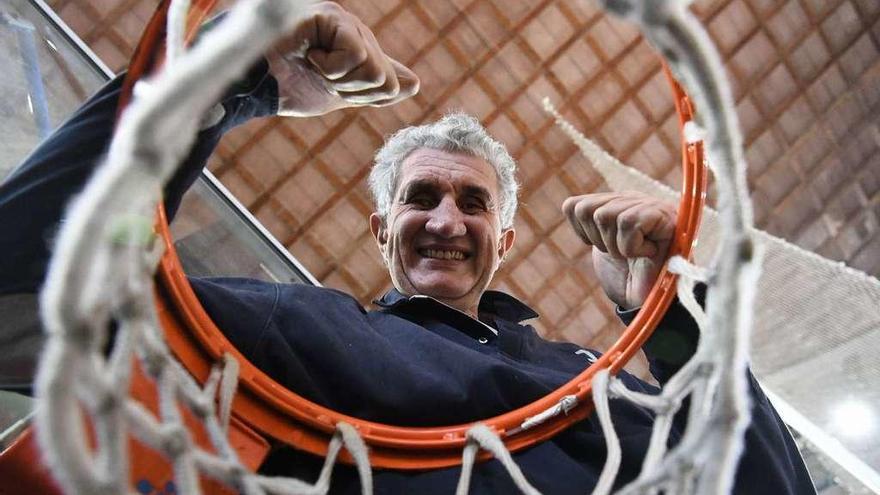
806 76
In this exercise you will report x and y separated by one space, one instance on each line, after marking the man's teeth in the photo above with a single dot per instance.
443 254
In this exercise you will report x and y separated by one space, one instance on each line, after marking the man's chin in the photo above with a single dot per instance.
442 290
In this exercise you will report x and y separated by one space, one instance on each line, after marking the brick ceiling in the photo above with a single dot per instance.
806 76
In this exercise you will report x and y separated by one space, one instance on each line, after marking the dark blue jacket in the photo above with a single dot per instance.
412 362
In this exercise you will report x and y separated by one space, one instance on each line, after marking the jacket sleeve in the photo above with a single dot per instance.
34 196
771 462
674 341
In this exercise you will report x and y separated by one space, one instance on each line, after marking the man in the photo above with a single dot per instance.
441 349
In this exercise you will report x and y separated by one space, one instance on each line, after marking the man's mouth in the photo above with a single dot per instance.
443 254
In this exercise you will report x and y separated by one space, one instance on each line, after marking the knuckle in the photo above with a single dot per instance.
330 7
376 76
627 221
391 87
583 211
410 87
360 55
329 12
568 206
603 217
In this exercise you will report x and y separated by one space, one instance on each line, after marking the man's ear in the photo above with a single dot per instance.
377 227
505 242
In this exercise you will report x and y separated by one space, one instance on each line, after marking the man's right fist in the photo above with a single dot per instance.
630 233
332 60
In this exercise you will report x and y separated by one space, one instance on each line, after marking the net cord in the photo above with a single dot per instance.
175 39
481 436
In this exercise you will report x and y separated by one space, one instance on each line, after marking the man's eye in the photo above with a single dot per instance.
473 205
421 201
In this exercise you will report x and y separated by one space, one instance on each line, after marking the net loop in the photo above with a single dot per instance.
359 452
228 386
175 38
656 403
612 442
346 436
688 275
684 268
565 405
481 436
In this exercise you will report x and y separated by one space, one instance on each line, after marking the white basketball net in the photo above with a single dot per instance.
106 256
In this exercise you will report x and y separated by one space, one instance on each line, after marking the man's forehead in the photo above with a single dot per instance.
434 167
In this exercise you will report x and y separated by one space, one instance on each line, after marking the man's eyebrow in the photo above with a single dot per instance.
417 186
428 185
478 191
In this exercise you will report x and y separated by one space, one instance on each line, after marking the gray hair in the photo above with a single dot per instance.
455 133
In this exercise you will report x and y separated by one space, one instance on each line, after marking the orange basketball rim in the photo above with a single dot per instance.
287 417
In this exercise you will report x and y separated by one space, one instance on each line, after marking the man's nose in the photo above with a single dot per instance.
447 220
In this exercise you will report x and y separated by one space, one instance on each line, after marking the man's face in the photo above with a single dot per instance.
443 237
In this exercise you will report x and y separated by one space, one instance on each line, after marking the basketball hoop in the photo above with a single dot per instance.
287 417
264 409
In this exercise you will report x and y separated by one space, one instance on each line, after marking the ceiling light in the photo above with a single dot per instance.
854 418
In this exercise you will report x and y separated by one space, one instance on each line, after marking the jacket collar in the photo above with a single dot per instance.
494 302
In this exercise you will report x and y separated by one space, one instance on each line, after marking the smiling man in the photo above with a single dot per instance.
440 348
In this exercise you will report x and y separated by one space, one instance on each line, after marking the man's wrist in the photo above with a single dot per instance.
257 83
255 95
626 315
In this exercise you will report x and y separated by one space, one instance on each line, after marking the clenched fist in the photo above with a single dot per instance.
630 233
332 60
